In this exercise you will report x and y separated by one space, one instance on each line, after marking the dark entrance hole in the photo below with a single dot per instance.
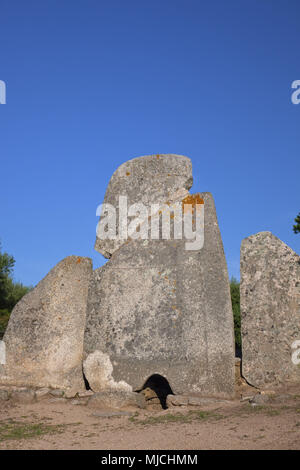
86 383
160 386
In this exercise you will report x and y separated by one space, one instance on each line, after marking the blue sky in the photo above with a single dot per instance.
91 84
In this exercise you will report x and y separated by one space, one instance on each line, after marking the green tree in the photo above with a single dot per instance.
235 300
10 292
296 227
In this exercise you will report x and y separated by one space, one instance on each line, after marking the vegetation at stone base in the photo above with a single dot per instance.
11 429
235 300
296 227
191 415
10 292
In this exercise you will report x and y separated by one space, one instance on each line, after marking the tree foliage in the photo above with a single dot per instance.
235 300
10 292
296 227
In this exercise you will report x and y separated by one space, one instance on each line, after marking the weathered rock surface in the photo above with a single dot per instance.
157 308
270 309
152 400
4 395
23 396
97 369
259 399
185 400
44 337
42 393
117 399
57 393
149 179
177 400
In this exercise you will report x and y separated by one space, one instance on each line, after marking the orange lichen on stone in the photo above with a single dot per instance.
193 199
190 202
78 260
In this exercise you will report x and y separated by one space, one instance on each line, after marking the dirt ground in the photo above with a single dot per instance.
221 425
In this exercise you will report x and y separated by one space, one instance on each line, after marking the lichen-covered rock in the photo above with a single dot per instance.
42 393
4 395
156 307
117 399
152 400
177 400
44 337
23 396
259 399
97 369
149 179
270 309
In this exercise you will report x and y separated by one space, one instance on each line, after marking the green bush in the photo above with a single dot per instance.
296 227
235 300
4 317
10 292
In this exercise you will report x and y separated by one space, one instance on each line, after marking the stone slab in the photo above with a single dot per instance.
157 308
44 337
270 310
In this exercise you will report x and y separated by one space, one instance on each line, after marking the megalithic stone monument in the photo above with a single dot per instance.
44 337
270 310
157 307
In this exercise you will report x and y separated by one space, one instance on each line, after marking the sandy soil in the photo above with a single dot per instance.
225 425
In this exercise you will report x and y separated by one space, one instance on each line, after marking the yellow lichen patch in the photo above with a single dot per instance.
190 202
193 199
127 173
157 156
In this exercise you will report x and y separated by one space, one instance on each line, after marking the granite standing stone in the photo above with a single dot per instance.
44 337
270 309
150 179
157 308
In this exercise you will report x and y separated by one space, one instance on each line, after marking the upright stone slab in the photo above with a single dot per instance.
149 179
270 310
44 337
157 308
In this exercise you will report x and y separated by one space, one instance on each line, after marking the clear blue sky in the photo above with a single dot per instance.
91 84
